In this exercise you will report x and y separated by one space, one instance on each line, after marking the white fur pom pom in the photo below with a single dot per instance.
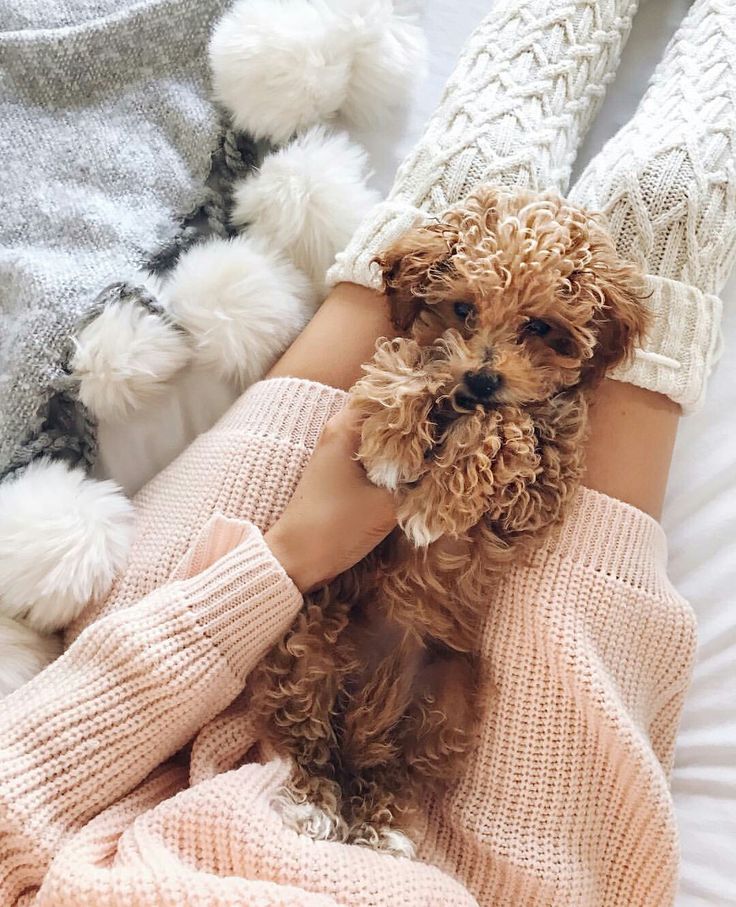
390 56
123 358
280 66
241 303
63 538
307 199
23 654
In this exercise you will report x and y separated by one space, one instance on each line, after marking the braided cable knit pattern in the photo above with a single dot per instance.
667 183
527 86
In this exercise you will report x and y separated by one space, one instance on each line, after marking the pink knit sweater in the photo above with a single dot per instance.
128 774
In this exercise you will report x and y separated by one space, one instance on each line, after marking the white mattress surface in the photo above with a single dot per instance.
700 513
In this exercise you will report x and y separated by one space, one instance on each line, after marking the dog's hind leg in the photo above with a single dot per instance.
373 764
428 748
293 698
441 726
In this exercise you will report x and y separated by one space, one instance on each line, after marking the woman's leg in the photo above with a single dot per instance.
514 112
667 183
339 339
632 436
526 88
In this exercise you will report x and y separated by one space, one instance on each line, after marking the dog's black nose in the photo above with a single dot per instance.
482 384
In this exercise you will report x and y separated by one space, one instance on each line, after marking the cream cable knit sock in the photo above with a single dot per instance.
525 90
667 182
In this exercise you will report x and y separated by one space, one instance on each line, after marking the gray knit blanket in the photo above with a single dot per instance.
106 137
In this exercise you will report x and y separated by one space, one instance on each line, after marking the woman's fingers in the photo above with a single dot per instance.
336 516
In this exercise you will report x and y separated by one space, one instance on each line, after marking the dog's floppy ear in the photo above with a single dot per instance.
620 320
410 266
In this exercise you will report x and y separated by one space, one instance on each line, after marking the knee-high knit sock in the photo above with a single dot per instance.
525 90
667 182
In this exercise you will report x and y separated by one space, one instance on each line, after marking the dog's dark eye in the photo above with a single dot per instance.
537 328
464 309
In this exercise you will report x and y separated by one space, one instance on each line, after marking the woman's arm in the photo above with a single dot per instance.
138 684
335 516
130 692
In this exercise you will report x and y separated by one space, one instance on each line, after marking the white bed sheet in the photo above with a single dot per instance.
700 513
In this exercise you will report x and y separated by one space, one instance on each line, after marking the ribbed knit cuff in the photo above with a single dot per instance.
291 409
682 346
244 600
130 691
382 225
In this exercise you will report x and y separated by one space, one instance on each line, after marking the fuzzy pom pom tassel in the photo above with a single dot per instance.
23 654
389 57
124 357
63 538
307 199
279 65
241 303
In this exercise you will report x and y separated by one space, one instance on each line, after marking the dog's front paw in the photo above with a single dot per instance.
458 484
391 455
389 474
395 398
421 529
440 505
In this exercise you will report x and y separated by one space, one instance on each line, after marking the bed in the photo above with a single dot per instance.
700 511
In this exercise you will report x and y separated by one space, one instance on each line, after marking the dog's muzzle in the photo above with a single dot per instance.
477 388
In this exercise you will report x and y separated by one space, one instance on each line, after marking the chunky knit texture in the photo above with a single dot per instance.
106 141
514 113
586 655
667 182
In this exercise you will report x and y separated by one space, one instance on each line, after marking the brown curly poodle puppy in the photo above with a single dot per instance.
512 309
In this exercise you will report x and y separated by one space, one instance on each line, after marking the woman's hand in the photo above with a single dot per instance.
336 515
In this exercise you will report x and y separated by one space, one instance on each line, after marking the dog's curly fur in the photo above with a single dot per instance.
512 309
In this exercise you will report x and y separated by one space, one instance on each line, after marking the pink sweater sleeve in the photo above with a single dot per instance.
131 691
